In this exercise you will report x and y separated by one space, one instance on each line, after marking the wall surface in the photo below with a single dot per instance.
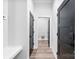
43 9
5 23
18 27
53 26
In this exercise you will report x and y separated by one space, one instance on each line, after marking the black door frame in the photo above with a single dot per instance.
31 33
49 32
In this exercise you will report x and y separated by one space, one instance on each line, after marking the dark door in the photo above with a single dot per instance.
66 32
49 33
31 41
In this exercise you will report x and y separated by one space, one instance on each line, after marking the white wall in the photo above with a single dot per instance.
30 6
16 25
53 26
43 9
19 26
42 28
5 23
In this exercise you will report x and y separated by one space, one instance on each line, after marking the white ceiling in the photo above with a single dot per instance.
43 1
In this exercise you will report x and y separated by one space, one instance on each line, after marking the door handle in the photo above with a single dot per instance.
58 53
33 43
30 36
57 34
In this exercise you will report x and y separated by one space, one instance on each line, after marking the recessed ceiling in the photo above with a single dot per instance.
43 1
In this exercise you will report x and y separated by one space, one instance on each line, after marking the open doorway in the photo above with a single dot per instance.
44 29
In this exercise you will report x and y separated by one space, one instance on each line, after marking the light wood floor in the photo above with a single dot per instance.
43 51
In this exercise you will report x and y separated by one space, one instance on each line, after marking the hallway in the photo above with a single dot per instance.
34 25
43 51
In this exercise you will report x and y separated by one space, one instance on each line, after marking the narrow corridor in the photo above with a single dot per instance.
43 51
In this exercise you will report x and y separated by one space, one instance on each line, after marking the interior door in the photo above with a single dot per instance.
31 42
66 32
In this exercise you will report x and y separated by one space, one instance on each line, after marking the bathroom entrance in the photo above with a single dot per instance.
44 29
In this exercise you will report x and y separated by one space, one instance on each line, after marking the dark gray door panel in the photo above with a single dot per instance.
66 29
31 36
